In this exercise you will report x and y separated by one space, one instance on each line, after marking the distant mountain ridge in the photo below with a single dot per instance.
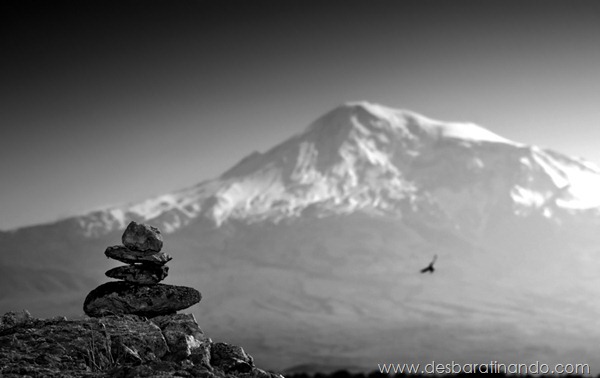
370 158
309 254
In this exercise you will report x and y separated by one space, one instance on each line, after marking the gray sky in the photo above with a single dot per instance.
107 106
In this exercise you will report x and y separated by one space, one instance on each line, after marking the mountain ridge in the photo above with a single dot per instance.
345 148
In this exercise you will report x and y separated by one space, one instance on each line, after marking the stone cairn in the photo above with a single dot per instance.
139 292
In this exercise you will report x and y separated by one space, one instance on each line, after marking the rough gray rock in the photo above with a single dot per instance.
142 273
231 358
115 346
132 338
118 297
185 338
11 318
128 256
142 237
59 347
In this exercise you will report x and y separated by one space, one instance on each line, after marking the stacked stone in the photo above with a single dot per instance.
139 292
141 251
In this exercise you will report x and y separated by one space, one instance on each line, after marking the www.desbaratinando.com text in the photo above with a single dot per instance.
487 368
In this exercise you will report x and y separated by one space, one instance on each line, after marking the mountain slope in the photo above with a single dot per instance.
365 157
309 253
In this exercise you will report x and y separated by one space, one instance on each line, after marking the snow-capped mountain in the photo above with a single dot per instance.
363 157
310 253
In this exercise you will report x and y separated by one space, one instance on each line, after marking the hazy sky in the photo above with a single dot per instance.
103 106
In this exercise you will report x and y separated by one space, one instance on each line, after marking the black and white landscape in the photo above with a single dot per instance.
309 253
424 186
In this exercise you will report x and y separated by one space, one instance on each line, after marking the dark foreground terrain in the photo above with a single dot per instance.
117 346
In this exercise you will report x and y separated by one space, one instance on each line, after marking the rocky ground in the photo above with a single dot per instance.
117 346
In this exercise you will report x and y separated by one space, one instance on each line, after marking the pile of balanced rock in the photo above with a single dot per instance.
139 292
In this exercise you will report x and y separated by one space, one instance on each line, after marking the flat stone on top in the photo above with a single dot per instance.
142 237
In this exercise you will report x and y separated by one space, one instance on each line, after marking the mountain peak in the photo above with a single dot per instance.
343 116
374 109
372 117
368 158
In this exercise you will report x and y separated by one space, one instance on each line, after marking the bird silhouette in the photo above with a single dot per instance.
430 267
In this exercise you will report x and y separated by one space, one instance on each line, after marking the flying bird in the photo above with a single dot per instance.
430 267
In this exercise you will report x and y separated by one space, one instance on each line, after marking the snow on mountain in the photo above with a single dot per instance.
373 159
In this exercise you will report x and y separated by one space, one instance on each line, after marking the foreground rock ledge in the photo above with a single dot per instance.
117 346
118 298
